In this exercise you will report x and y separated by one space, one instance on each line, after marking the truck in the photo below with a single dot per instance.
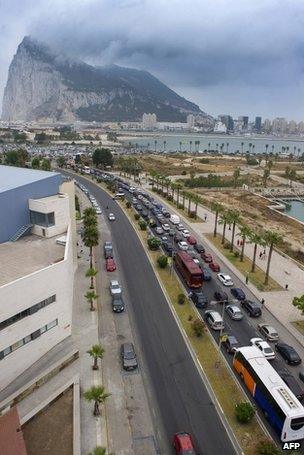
175 219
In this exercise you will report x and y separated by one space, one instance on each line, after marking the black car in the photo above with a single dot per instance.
206 274
230 344
288 353
118 305
221 296
128 356
166 214
152 223
253 309
199 299
145 213
168 248
292 383
199 248
238 293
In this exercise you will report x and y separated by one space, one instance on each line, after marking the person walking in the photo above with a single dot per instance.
286 287
262 302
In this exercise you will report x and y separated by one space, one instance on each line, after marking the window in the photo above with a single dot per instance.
42 219
51 324
7 351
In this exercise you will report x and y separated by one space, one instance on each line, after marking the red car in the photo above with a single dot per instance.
110 265
214 266
207 257
191 240
183 444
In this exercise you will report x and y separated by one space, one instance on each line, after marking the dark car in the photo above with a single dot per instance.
253 309
238 293
138 207
118 305
199 299
166 213
207 257
128 356
171 232
178 237
168 248
221 296
206 274
292 383
145 213
152 223
288 353
199 248
231 344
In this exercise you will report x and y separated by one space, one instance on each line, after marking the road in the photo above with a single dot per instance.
183 401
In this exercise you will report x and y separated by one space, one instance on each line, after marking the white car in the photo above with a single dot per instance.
185 233
225 279
183 246
98 210
111 217
180 227
166 227
263 347
115 288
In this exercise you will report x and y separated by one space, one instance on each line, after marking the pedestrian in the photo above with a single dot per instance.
261 254
238 242
286 287
264 252
247 279
262 302
205 217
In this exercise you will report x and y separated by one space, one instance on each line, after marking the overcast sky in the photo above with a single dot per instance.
229 56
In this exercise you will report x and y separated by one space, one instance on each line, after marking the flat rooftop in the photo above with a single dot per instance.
29 254
13 177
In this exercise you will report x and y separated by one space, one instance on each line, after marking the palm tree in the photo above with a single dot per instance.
227 147
184 193
272 239
198 145
242 147
250 145
236 176
98 395
165 143
167 183
190 146
91 296
244 233
217 208
98 450
173 187
91 239
91 273
209 146
266 148
257 239
190 199
178 187
196 199
272 148
224 219
155 144
266 175
253 147
96 352
217 147
180 146
234 218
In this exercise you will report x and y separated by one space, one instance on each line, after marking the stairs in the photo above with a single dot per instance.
21 232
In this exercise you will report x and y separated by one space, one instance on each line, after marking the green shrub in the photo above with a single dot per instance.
153 243
198 327
143 225
244 412
170 197
180 206
184 172
204 160
236 254
227 246
192 214
136 216
181 299
162 261
267 447
190 317
128 204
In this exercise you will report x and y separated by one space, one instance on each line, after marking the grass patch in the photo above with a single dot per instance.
299 325
256 278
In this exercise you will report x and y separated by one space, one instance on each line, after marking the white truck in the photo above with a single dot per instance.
175 219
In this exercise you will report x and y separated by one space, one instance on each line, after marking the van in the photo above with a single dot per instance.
214 319
175 219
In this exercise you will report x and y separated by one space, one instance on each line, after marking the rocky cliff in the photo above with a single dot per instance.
45 86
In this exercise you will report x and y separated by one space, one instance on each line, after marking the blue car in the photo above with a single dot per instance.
206 274
238 293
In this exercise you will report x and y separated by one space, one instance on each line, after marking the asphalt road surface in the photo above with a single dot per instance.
182 398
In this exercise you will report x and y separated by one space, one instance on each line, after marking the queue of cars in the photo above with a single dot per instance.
92 198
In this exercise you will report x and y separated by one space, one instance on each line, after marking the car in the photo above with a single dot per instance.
168 248
171 232
115 288
221 296
167 214
234 312
145 213
214 319
292 383
206 274
183 245
108 250
110 265
268 332
253 309
138 207
166 227
178 237
118 305
264 347
152 223
191 240
214 266
183 444
159 216
207 257
192 253
159 230
185 233
98 210
231 344
175 219
180 227
225 279
111 217
288 353
199 299
128 356
238 293
199 248
134 200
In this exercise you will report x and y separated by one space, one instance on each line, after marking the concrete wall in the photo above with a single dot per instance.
69 189
60 206
14 211
20 294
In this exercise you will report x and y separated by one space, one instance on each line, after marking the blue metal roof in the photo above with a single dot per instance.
14 177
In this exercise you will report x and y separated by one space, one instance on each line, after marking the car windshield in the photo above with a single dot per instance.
268 350
129 355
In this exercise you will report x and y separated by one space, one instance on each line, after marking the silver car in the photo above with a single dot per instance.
128 356
268 332
115 288
234 312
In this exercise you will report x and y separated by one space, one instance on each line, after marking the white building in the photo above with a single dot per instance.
190 121
37 273
149 121
220 127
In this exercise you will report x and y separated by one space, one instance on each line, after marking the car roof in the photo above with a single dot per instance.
185 441
234 308
114 282
128 347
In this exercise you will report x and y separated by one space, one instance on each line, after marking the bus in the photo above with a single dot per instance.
281 408
189 270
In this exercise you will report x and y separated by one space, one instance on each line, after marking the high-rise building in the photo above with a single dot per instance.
301 127
292 126
190 121
149 121
228 121
244 119
258 124
267 125
279 125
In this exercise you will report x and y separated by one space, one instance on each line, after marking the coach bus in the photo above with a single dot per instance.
281 408
189 270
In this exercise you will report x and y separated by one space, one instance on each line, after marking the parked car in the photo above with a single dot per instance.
263 347
214 266
225 279
178 237
159 230
185 233
175 219
221 296
199 299
207 257
183 444
115 288
166 214
288 353
166 227
268 332
111 217
145 213
214 319
238 293
108 250
183 246
98 210
206 274
253 309
234 312
231 344
180 227
168 248
199 248
128 356
292 383
110 265
172 233
152 223
118 305
192 240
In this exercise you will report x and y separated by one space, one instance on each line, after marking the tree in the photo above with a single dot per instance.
112 136
98 450
217 208
91 296
61 162
91 239
266 175
46 164
244 233
16 157
153 243
236 176
181 298
272 239
36 163
198 327
40 138
299 303
91 273
102 157
233 218
196 199
143 225
96 352
98 395
178 187
267 447
244 411
224 219
162 261
257 239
